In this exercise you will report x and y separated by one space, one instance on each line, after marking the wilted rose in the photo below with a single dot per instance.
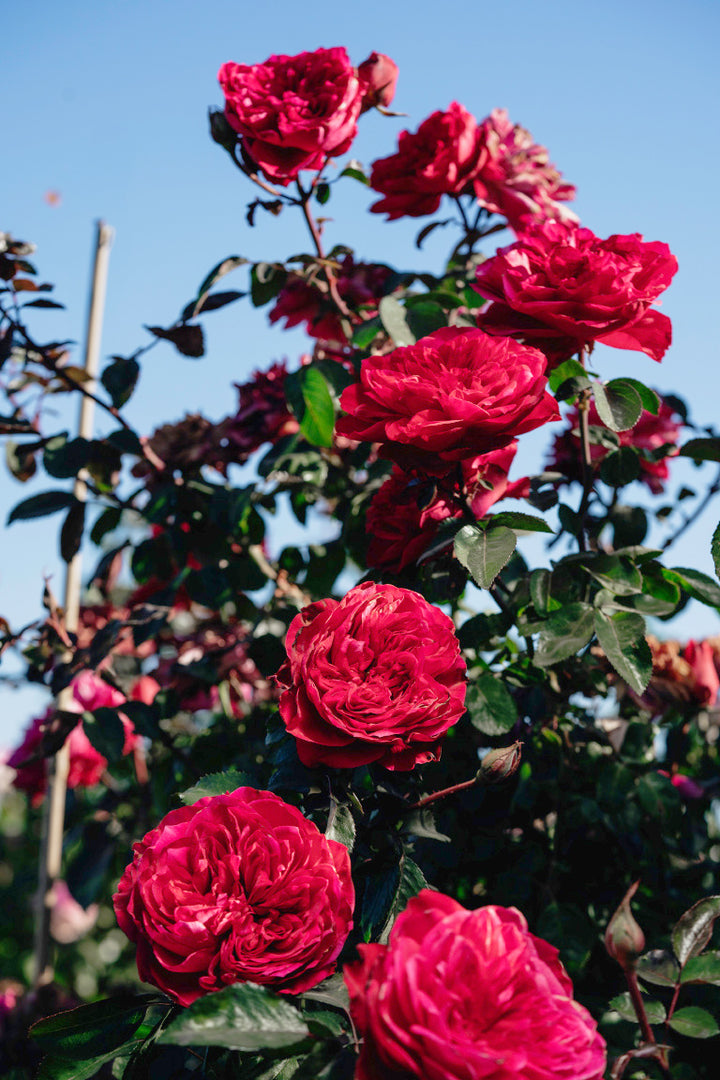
377 676
236 888
562 288
458 994
454 395
293 112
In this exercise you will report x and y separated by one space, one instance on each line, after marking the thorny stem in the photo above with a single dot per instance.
317 240
436 795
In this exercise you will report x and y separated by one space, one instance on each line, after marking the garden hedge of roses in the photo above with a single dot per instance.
330 715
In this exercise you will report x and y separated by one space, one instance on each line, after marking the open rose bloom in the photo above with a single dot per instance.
376 676
236 888
468 995
293 112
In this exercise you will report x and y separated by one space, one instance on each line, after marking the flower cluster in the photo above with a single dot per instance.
682 676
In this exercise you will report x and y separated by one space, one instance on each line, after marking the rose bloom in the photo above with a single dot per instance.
262 416
468 995
293 112
517 178
562 288
360 285
401 531
87 765
453 395
650 433
236 888
441 158
682 678
377 676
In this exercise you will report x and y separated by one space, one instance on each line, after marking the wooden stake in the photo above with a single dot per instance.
54 811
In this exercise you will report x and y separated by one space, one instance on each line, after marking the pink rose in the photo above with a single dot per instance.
401 531
562 288
236 888
649 434
293 112
459 994
699 655
69 921
441 158
376 676
87 765
517 178
378 76
455 394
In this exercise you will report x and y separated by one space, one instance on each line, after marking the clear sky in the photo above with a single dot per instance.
105 104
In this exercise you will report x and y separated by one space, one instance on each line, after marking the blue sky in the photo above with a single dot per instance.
106 104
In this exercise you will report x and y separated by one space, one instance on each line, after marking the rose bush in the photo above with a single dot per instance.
455 394
562 288
376 676
237 887
293 112
458 994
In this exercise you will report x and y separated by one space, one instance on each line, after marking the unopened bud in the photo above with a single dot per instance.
624 940
221 131
378 75
500 764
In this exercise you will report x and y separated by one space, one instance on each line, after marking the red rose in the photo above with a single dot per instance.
562 288
293 112
300 301
441 158
262 416
650 433
455 394
516 178
400 531
699 655
459 994
236 888
376 676
378 75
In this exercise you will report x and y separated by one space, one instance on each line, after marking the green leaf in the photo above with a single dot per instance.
322 193
394 320
620 467
64 459
569 369
424 317
649 399
355 172
698 585
702 969
411 881
484 553
694 928
618 404
701 449
715 548
366 333
490 705
332 991
224 267
564 634
266 281
540 581
658 967
105 731
93 1029
341 825
120 379
622 637
309 396
520 522
218 783
47 502
241 1017
654 1010
108 520
71 532
615 573
694 1022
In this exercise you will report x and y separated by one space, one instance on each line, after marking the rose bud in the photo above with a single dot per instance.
624 940
499 765
378 77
